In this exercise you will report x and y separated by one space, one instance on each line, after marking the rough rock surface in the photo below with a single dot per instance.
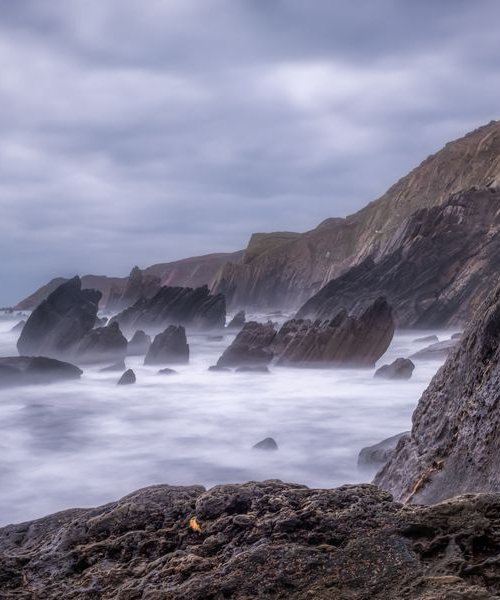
24 370
196 308
60 322
287 271
436 269
401 368
378 454
139 344
169 347
455 438
103 344
258 540
437 351
252 346
238 321
343 340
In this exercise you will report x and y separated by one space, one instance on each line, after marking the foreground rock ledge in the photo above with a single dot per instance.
258 540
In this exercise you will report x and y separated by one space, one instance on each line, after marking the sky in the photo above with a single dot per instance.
136 132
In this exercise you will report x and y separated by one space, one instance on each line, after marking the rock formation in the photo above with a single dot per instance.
436 269
237 321
26 370
401 368
139 344
455 442
257 540
138 285
252 346
195 308
128 378
60 322
378 454
104 344
169 347
267 444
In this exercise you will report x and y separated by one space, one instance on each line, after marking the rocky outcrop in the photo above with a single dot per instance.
138 285
60 322
377 455
257 540
169 347
455 443
252 346
238 321
139 344
27 370
195 308
128 378
436 269
286 274
345 340
401 368
104 344
268 444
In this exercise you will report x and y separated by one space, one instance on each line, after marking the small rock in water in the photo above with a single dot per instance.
428 339
401 368
220 369
266 444
254 369
167 371
117 366
127 378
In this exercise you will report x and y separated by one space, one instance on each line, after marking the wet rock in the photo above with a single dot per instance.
103 344
252 346
139 344
454 441
167 371
378 454
238 321
253 369
401 368
266 444
118 366
428 339
27 370
437 351
169 347
60 322
217 368
127 378
18 327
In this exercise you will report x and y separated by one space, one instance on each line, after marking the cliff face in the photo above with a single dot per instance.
288 274
436 270
454 443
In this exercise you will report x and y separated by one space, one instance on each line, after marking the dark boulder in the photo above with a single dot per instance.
427 339
118 366
169 347
437 351
401 368
252 346
266 444
127 378
25 370
238 321
455 442
60 322
139 344
103 344
378 454
196 308
167 371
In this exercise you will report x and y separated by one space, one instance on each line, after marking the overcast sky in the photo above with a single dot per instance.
137 131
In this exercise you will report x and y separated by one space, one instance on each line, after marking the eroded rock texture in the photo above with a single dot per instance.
252 346
258 540
455 439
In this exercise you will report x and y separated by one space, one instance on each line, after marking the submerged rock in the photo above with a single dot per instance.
378 454
127 378
103 344
267 443
238 321
437 351
139 344
217 368
167 371
252 346
60 322
266 540
169 347
401 368
24 370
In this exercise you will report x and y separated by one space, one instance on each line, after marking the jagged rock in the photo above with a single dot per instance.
103 344
60 322
267 443
257 540
196 308
401 368
139 344
436 269
428 339
343 340
127 378
454 443
118 366
437 351
252 346
18 327
138 285
378 454
253 369
169 347
167 371
25 370
238 321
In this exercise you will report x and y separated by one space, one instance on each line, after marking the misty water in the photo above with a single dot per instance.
87 442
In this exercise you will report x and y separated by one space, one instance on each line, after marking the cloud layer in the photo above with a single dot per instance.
136 132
